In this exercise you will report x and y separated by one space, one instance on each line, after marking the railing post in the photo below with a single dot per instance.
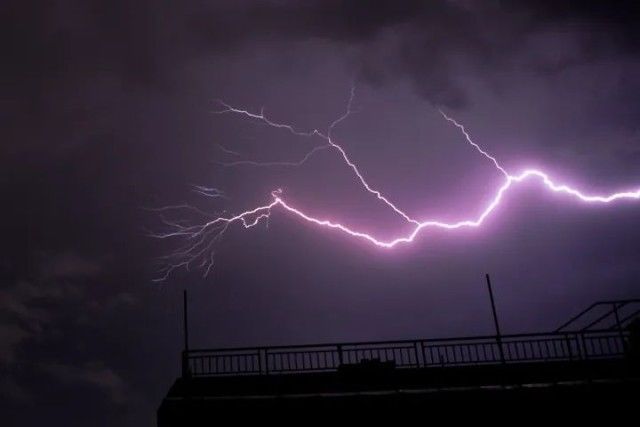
585 352
568 341
619 326
419 353
578 347
425 362
339 347
266 361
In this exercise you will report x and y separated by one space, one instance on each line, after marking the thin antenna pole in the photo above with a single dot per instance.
185 320
185 325
495 320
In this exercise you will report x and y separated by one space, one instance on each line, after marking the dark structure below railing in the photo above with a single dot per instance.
585 367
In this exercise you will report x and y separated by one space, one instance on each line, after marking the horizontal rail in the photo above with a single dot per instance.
409 341
422 353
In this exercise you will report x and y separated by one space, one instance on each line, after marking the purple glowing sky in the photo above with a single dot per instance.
112 108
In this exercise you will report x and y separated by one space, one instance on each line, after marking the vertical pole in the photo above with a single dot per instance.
185 325
495 320
185 321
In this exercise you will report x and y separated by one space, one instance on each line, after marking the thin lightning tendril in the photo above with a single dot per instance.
200 239
304 159
330 143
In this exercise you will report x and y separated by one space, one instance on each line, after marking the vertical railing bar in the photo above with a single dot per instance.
548 353
424 354
519 346
584 347
577 347
568 342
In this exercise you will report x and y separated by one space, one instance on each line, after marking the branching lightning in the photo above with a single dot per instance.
199 240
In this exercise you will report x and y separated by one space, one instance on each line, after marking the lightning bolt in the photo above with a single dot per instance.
200 239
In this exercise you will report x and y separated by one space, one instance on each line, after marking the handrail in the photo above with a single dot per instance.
420 353
405 341
608 313
627 318
614 303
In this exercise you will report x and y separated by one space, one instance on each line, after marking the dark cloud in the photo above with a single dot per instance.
26 312
39 313
602 19
70 266
65 45
92 374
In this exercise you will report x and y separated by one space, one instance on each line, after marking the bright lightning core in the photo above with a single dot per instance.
199 240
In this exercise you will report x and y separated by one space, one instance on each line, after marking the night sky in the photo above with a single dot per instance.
108 111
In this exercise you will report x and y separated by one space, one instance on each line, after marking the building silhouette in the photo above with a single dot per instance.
588 364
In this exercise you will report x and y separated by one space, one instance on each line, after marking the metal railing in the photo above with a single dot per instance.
424 353
616 314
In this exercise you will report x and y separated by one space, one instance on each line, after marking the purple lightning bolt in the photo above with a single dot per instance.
200 239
